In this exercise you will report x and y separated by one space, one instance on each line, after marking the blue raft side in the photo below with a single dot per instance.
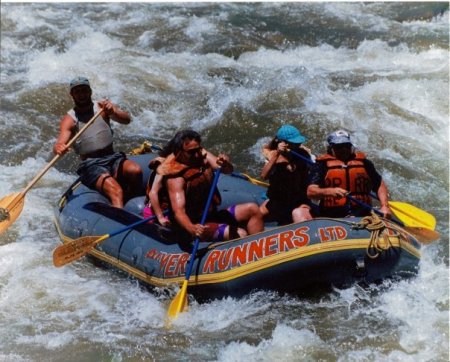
86 212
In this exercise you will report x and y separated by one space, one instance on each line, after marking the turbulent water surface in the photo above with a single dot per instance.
235 72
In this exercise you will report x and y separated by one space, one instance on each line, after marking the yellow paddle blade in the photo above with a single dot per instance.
411 215
179 303
10 208
75 249
423 235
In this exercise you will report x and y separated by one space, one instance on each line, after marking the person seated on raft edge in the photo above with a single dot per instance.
187 176
157 199
101 168
287 174
341 171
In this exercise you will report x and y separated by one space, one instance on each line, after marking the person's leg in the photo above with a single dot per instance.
250 213
263 209
107 185
221 232
129 175
301 213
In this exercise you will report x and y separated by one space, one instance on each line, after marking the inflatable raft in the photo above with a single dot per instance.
297 258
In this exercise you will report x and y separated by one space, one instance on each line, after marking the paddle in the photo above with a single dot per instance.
180 302
11 205
425 236
75 249
402 210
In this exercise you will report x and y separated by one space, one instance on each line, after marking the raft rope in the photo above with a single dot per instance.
379 238
145 147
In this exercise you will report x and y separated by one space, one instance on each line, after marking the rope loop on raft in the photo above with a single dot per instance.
145 147
379 238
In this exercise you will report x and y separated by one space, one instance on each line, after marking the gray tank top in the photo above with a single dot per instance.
97 136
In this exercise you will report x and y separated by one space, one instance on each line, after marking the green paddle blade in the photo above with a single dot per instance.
179 303
10 208
411 215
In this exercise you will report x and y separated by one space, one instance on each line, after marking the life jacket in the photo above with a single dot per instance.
98 136
351 176
198 182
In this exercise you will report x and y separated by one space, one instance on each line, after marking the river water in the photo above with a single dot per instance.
235 72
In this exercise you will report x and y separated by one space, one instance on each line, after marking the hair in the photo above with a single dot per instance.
176 143
273 144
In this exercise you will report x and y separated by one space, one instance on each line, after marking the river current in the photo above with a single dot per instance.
234 72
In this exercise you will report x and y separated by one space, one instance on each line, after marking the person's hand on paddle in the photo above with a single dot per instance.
199 231
114 112
108 107
223 161
60 149
337 192
386 210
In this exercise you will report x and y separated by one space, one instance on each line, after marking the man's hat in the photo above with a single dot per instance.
339 137
290 134
79 81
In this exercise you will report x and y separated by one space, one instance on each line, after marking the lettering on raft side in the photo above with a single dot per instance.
173 265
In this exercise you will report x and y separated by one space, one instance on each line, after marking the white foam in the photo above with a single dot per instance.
286 344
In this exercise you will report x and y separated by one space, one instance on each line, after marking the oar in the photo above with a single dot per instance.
404 211
12 204
425 236
412 215
75 249
180 302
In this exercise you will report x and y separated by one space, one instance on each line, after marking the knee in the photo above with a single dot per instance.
254 210
133 169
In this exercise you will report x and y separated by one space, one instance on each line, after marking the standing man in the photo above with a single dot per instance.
102 169
188 177
342 171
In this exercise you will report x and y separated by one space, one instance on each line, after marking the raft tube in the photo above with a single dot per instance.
298 258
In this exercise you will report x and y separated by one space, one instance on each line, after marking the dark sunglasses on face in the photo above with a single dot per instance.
193 151
342 146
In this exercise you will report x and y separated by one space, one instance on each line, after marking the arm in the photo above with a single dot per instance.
269 164
384 200
220 161
114 112
175 187
66 127
153 195
316 177
316 192
282 147
379 187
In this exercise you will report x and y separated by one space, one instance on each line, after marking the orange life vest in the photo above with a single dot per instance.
351 176
198 182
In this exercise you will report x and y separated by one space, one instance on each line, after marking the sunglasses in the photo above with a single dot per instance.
193 151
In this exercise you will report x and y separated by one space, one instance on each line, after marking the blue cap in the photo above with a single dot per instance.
290 134
339 137
79 81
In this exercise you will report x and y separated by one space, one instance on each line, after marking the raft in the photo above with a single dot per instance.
299 258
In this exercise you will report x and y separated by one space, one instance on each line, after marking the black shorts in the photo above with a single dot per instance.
91 169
